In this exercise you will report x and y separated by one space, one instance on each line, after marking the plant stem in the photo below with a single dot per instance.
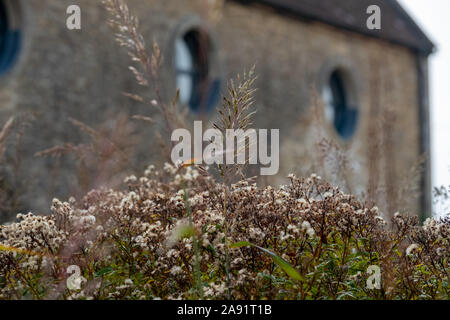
227 256
196 249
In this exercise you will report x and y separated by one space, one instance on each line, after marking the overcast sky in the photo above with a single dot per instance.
433 17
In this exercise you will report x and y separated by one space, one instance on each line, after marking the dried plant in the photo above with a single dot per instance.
148 73
4 133
391 189
441 200
106 157
235 114
119 241
333 159
12 182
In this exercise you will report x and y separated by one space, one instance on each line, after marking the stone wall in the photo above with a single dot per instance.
82 75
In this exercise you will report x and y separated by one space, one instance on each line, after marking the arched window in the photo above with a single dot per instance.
193 63
10 36
338 108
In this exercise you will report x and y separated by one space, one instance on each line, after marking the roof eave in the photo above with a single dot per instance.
427 49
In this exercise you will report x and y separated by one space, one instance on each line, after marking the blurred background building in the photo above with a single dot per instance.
351 103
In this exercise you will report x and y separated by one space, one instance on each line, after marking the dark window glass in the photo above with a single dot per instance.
9 41
343 115
192 63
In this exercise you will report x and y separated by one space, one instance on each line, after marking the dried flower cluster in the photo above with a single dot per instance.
138 244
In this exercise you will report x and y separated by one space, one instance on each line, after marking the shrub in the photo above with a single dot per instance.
137 244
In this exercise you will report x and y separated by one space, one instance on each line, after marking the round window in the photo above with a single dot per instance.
10 36
338 107
193 63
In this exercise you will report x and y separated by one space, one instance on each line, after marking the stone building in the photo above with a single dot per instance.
315 59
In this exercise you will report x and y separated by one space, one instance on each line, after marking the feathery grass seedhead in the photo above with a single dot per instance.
236 113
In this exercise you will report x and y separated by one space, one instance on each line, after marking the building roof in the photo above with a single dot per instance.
396 25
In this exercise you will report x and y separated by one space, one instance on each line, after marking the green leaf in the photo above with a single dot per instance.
104 271
283 264
241 244
344 295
